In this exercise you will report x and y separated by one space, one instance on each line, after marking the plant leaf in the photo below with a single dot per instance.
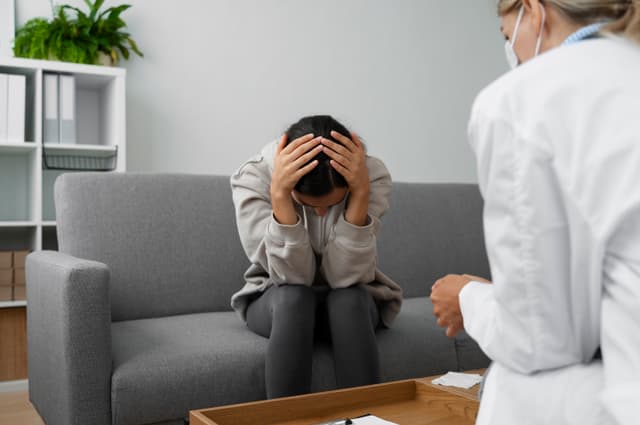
124 51
94 9
76 35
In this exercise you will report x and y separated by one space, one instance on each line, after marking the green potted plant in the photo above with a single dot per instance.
95 37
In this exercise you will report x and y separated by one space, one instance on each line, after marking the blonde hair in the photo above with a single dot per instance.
624 14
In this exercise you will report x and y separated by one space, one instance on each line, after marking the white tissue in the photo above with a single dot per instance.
371 420
459 380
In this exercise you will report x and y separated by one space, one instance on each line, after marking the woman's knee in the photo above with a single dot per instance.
293 299
353 298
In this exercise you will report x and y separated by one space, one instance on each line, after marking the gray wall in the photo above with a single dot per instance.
220 78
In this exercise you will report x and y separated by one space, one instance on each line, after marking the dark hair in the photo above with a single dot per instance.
323 178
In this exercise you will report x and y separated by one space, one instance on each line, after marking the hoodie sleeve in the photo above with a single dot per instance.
351 256
284 252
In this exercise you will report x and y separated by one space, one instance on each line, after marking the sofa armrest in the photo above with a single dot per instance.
69 338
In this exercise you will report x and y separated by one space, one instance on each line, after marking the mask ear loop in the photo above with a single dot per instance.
518 21
544 19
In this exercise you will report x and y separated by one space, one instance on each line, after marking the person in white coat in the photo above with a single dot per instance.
557 142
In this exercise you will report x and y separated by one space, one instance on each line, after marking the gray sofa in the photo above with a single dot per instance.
130 322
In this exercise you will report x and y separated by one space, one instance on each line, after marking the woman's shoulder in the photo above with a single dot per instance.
261 163
377 169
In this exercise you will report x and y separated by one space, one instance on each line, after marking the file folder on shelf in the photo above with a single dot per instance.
50 129
16 108
67 109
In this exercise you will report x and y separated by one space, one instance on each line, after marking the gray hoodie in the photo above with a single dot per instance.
315 251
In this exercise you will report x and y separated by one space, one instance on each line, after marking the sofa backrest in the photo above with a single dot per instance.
172 247
432 230
170 241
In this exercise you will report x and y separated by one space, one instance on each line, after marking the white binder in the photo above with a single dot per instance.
67 98
4 102
50 129
17 108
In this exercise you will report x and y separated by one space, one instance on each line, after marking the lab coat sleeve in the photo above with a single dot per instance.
618 220
515 320
621 337
285 252
350 256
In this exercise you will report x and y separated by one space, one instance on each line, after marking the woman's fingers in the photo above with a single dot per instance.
356 140
303 149
341 159
303 159
281 144
306 169
297 143
348 143
336 147
453 330
285 168
340 169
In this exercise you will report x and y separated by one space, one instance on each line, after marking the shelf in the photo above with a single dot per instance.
32 65
12 304
79 149
19 236
27 214
50 238
18 223
17 182
26 147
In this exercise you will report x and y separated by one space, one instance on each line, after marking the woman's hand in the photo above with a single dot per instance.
446 304
349 159
290 163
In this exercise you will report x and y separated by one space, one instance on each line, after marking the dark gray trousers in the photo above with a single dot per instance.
292 316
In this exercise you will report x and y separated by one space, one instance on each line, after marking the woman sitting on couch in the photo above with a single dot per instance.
308 209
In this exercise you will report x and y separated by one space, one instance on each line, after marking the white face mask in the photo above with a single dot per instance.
512 57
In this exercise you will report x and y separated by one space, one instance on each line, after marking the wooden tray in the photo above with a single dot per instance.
408 402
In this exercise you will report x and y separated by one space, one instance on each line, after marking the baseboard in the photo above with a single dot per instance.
14 386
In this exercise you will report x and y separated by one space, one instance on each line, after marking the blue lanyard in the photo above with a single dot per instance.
584 32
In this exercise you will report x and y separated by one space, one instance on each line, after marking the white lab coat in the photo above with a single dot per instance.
557 143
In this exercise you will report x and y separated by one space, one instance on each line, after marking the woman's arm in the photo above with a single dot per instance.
350 256
282 249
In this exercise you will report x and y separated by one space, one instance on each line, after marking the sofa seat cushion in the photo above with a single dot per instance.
164 367
415 346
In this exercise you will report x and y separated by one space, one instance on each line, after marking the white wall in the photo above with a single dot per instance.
220 78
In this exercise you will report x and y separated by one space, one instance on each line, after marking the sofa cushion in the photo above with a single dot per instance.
432 230
415 346
165 367
170 240
470 356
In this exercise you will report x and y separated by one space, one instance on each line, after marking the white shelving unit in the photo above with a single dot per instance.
27 216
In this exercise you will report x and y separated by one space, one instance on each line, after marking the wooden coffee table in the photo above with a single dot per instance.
414 401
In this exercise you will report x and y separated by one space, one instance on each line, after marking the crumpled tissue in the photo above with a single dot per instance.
459 380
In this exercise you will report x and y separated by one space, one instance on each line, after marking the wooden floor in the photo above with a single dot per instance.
15 408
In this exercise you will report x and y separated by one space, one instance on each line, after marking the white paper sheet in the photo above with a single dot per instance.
371 420
459 380
364 420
